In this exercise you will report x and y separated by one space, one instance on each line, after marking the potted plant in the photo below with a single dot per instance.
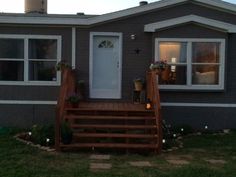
61 65
138 84
66 132
73 99
159 66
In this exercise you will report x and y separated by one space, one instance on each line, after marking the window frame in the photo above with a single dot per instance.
189 85
26 59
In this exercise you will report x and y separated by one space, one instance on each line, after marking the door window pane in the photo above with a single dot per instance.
11 70
42 49
12 48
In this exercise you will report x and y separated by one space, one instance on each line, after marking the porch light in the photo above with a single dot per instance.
148 104
133 36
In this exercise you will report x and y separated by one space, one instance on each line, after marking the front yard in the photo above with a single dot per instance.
206 155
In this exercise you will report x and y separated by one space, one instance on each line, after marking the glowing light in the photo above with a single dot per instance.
47 140
164 141
174 135
182 129
206 127
30 133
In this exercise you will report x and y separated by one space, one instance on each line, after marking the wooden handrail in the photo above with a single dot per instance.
154 96
68 86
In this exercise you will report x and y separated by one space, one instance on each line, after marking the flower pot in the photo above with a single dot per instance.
138 86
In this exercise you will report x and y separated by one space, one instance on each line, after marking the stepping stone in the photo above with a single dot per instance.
100 166
177 161
214 161
100 157
140 164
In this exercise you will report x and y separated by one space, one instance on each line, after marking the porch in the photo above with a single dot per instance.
116 125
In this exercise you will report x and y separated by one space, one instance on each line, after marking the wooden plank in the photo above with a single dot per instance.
113 135
95 117
90 126
110 145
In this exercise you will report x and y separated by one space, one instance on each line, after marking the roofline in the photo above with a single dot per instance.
152 27
231 8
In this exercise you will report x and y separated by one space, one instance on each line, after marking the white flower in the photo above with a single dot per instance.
30 133
174 135
182 129
206 127
47 140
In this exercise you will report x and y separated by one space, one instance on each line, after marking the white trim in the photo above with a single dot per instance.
188 85
115 34
73 49
27 102
152 27
68 20
163 104
26 59
217 105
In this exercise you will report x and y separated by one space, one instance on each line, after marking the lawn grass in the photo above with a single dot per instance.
20 160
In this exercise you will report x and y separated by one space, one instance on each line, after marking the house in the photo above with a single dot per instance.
196 37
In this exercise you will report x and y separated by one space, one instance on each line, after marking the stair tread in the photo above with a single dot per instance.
109 145
114 135
108 117
107 109
114 126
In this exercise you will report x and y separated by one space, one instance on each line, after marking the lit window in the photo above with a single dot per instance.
192 63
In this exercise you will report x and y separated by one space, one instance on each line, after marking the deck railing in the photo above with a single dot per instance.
68 86
154 96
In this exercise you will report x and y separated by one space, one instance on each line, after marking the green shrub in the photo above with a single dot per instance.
40 133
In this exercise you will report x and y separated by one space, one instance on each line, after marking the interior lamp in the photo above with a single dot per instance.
173 68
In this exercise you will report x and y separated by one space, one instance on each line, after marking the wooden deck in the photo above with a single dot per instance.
104 124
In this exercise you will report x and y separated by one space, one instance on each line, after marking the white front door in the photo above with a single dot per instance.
105 65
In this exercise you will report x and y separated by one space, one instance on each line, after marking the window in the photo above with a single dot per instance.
106 44
192 63
29 59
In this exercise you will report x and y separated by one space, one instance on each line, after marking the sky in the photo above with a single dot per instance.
75 6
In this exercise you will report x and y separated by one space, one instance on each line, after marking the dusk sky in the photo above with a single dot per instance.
74 6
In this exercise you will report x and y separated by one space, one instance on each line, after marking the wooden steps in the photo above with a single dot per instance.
128 126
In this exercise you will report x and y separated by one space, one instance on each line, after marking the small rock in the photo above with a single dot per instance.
226 131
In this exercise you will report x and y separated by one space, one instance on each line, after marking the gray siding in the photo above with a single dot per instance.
26 115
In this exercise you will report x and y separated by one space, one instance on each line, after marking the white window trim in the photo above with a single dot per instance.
26 60
188 85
